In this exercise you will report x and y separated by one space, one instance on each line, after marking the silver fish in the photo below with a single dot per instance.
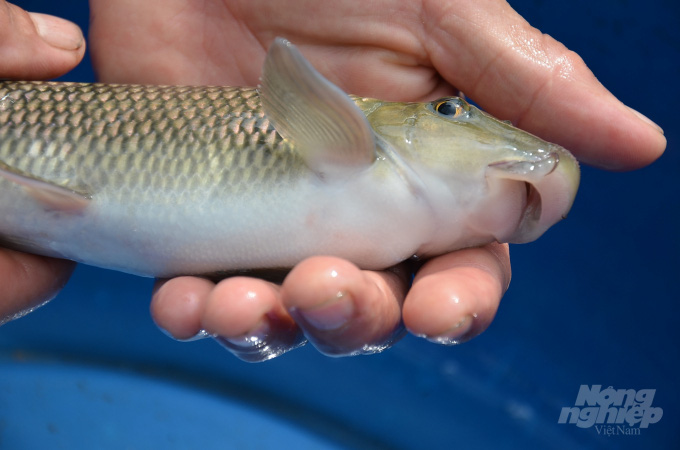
165 180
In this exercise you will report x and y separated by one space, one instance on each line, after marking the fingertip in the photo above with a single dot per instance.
579 113
37 46
59 33
318 280
239 305
455 297
177 305
642 142
588 130
342 309
452 306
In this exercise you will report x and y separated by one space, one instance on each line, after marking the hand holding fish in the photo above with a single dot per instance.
395 50
33 46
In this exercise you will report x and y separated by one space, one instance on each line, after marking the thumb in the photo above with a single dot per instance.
37 46
516 72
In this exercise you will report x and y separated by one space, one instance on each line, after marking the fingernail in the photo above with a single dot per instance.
202 334
646 120
331 315
454 335
268 339
254 338
58 32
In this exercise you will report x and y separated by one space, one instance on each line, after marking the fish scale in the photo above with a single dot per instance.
51 129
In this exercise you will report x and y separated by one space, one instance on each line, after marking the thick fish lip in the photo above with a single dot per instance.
551 182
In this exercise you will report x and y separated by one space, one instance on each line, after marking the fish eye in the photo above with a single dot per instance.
449 108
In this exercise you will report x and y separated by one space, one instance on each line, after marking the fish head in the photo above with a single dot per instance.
516 185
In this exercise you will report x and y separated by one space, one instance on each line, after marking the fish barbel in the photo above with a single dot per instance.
166 180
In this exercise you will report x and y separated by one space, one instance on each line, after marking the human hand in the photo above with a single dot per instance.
395 50
33 46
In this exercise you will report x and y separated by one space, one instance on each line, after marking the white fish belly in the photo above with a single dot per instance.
374 225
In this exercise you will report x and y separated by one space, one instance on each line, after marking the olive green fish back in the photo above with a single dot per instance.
133 137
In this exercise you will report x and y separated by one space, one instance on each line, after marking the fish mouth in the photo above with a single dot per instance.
531 211
546 186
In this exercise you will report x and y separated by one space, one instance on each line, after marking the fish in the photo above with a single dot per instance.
162 181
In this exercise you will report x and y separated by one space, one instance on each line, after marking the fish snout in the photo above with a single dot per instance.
550 181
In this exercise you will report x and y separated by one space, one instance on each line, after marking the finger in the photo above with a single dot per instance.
37 46
342 309
246 316
455 297
28 281
177 305
516 72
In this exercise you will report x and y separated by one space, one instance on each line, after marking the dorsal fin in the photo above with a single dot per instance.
325 125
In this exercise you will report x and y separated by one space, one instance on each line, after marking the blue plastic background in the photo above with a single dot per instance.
595 301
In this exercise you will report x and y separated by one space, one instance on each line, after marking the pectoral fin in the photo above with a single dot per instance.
328 129
50 195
